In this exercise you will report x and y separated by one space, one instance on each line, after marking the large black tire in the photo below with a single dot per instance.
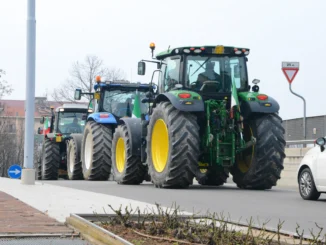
39 166
97 166
74 165
307 187
214 176
127 169
260 166
50 160
177 132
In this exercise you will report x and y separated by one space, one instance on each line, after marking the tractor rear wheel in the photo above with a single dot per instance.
172 147
96 151
74 165
212 176
127 169
50 160
259 167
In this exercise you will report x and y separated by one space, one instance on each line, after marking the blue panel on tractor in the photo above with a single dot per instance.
102 117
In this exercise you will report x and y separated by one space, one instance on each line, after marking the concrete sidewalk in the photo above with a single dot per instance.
59 202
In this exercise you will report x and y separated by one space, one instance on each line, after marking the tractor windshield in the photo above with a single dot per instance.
216 72
121 103
71 122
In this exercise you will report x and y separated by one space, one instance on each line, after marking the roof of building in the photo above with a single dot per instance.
16 108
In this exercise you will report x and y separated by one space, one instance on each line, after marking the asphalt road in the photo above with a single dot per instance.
278 204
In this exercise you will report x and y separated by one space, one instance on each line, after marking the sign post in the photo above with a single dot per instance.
290 70
14 171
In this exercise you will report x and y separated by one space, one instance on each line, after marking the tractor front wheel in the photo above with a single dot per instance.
259 167
50 160
172 147
127 169
74 165
96 151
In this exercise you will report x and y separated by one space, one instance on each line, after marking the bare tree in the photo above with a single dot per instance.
82 75
11 150
5 88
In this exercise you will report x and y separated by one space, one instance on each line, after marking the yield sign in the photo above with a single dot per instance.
290 70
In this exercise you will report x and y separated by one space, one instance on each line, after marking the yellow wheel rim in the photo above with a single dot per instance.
160 145
245 163
120 155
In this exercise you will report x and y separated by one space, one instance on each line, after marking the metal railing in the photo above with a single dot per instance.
300 143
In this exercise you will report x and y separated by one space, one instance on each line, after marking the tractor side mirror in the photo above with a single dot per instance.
77 94
40 130
42 120
321 142
141 68
236 71
255 81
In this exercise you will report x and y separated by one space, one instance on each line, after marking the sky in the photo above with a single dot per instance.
119 32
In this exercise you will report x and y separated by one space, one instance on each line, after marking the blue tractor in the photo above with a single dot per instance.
111 104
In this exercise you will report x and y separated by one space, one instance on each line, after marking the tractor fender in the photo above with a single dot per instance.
197 105
268 106
102 117
134 129
77 138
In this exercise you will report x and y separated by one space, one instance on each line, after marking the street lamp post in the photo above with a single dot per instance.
28 173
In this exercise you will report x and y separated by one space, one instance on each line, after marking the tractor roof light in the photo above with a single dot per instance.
262 97
237 51
90 110
61 109
98 79
184 95
152 46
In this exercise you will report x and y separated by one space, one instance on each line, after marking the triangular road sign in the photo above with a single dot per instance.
290 70
290 73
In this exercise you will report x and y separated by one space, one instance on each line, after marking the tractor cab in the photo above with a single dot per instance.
207 70
70 119
119 99
67 119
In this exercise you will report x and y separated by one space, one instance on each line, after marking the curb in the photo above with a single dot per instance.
94 233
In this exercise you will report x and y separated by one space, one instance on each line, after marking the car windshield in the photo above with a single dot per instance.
217 73
121 103
71 122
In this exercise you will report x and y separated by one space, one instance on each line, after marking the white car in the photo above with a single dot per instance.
312 171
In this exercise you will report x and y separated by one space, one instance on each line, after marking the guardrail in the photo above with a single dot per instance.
300 142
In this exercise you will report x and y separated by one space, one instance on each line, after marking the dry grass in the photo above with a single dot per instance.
169 226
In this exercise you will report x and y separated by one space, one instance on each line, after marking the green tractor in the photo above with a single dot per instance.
205 123
64 126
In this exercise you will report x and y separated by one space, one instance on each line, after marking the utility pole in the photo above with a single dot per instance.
28 173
